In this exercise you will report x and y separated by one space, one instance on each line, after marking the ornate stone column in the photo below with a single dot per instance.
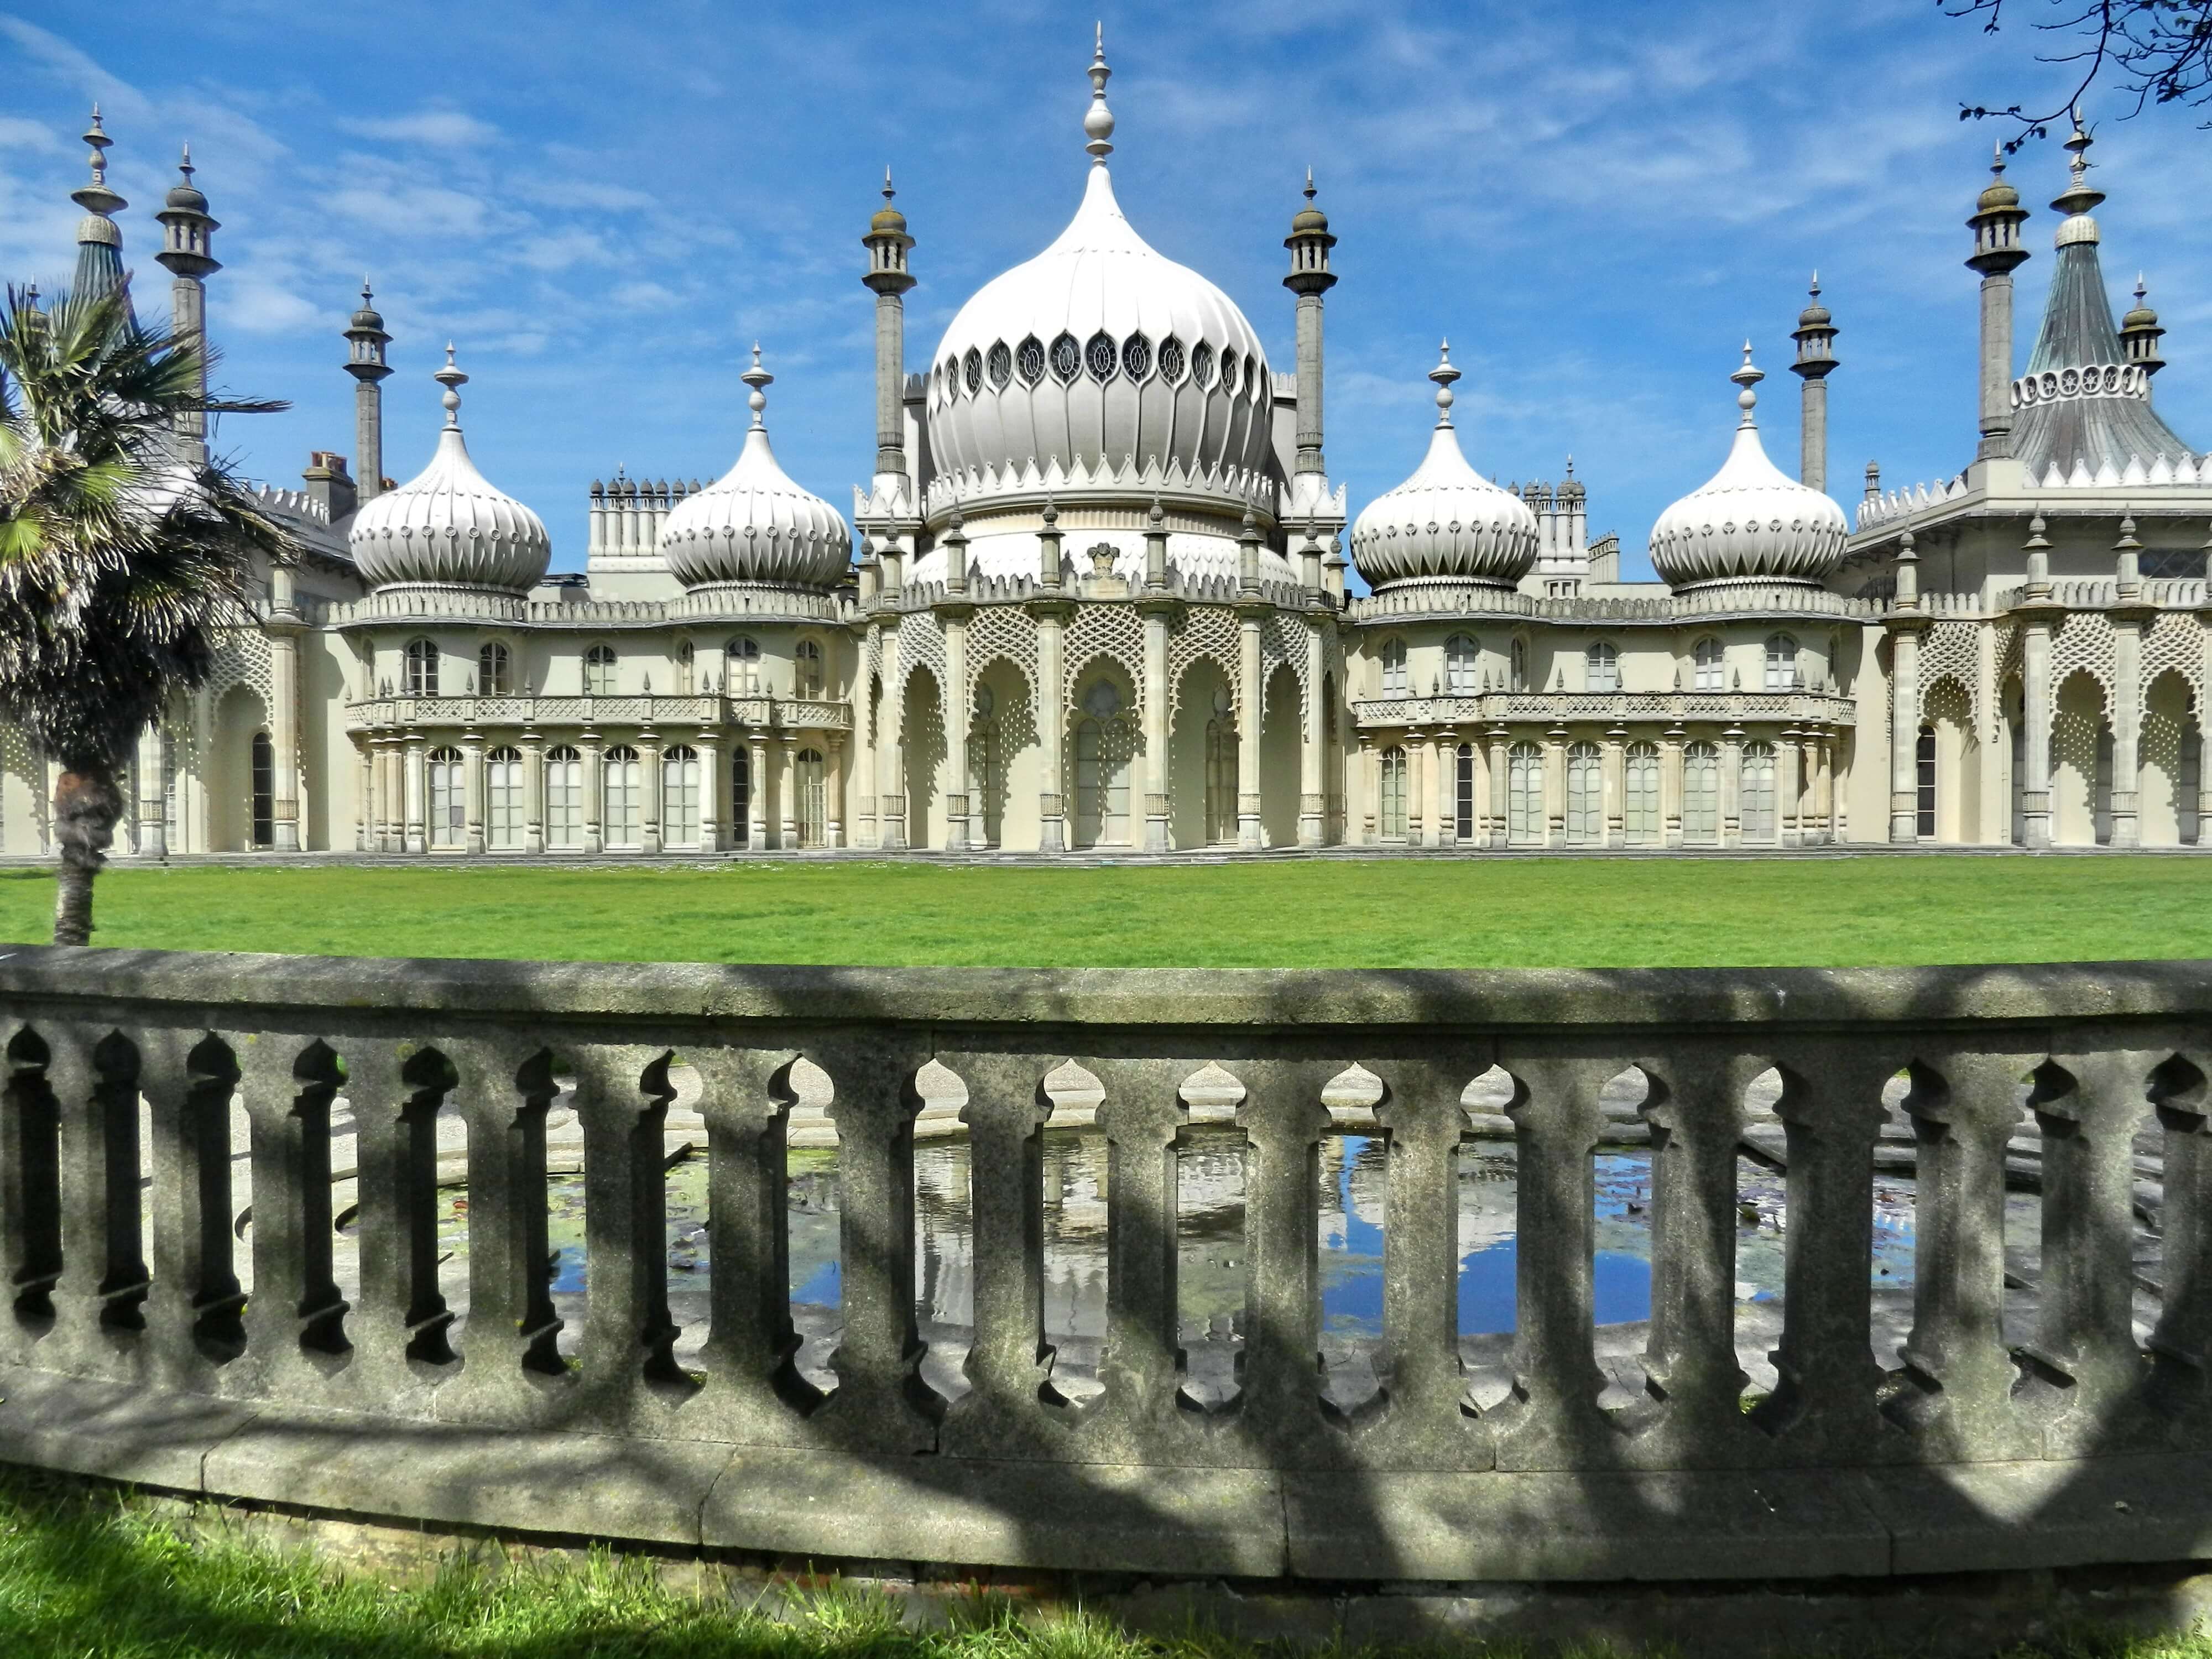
473 772
1370 791
756 795
369 828
787 793
710 788
1555 786
1905 623
1414 741
1156 609
590 746
890 749
417 790
533 791
649 749
1824 787
2129 618
959 696
1443 773
1732 786
1788 801
833 790
1616 787
391 793
2037 614
283 629
1501 830
1249 837
1313 758
1670 785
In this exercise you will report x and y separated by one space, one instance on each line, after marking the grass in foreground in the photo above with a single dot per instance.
1579 913
90 1571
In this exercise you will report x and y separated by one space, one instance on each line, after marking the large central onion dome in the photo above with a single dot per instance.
1447 523
753 526
1750 521
1099 357
450 526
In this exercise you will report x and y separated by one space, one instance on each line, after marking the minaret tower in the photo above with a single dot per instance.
365 360
888 278
1815 335
1311 277
188 251
99 242
2140 332
1997 253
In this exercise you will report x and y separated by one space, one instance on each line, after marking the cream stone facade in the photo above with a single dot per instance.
1095 597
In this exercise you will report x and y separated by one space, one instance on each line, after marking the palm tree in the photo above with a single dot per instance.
121 557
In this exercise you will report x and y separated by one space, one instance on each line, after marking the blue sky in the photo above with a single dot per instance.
603 206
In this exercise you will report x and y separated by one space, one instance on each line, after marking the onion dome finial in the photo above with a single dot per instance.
452 379
2079 196
1443 375
1748 375
1098 120
760 381
96 197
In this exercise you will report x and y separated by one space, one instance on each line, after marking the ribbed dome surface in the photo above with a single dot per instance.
450 528
1749 522
1103 353
1447 522
754 525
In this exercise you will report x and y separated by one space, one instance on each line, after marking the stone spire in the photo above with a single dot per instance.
1309 278
365 360
1098 120
1815 335
888 279
99 241
2077 200
1996 222
188 252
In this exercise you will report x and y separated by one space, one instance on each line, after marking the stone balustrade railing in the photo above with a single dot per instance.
130 1349
649 708
1808 708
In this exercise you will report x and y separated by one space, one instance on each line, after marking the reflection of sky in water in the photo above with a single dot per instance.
1212 1263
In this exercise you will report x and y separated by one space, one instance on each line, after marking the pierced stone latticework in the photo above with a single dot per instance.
1115 632
2174 644
1208 632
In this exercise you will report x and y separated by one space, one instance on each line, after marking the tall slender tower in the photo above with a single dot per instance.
1311 277
365 341
99 242
887 277
1996 222
1815 335
188 251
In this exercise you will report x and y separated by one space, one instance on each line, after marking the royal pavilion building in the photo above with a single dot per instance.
1097 596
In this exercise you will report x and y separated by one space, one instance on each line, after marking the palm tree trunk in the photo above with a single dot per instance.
87 803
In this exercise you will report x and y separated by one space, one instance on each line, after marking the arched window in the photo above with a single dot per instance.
1001 365
422 668
622 803
564 798
492 677
972 371
1136 356
1395 680
1524 795
1459 665
1463 792
505 808
687 664
1102 783
1602 667
1029 357
813 815
600 671
1924 777
1228 373
1707 659
679 796
741 796
1172 359
742 677
1201 365
1101 356
1585 796
1701 794
1781 663
806 669
1757 805
987 782
1066 358
1640 822
1391 815
449 798
1221 767
262 764
1520 664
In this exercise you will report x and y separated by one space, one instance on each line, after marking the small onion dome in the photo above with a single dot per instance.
185 197
1997 193
888 219
2142 316
753 524
1750 521
1447 522
1815 315
369 317
1308 217
450 526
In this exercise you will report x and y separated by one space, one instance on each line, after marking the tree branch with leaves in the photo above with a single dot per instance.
2152 52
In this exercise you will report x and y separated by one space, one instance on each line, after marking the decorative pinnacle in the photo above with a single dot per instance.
1098 120
1443 375
1748 377
184 166
1309 185
96 197
2080 196
888 191
759 379
1051 515
1156 517
2035 530
452 379
97 138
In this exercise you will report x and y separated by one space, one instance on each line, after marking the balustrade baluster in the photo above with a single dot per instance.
94 1074
2085 1365
30 1196
881 1401
622 1093
395 1088
1823 1403
1141 1115
295 1320
753 1392
192 1306
1009 1365
1283 1119
1958 1371
1694 1412
2181 1347
1552 1419
1428 1424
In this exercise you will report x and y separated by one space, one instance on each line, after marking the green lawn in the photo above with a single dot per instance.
1456 913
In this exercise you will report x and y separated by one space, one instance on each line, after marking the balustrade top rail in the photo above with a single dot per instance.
1965 1452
